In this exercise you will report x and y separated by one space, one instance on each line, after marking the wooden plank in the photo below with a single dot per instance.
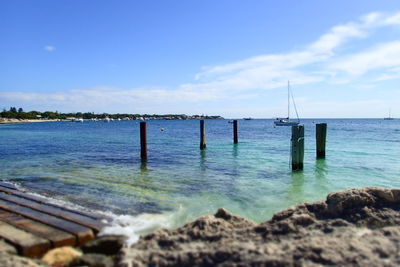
27 244
83 234
8 185
44 200
57 237
85 221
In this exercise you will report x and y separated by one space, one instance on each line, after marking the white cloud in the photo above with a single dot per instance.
309 64
49 48
372 18
336 37
93 98
393 20
389 75
385 55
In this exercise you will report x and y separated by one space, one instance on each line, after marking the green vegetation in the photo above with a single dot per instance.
14 113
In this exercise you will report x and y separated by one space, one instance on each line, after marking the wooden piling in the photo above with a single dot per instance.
235 132
202 135
143 141
320 135
297 147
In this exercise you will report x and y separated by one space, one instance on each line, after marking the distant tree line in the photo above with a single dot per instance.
14 113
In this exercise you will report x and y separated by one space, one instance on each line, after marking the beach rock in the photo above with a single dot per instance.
7 260
107 245
352 227
92 260
61 256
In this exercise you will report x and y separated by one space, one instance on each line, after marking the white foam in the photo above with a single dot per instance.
128 225
134 226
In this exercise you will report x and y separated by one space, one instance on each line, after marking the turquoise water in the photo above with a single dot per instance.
97 165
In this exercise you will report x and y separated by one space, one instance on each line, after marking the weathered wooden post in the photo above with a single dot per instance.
235 132
202 135
297 147
143 141
320 135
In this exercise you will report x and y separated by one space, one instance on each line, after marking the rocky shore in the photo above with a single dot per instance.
357 227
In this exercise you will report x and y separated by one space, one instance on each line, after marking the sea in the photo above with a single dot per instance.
96 166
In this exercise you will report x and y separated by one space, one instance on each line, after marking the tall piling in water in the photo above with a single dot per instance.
143 141
235 132
202 135
297 147
320 136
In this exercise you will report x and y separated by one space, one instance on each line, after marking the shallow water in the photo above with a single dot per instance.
97 165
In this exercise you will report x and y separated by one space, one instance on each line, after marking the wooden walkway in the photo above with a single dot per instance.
33 225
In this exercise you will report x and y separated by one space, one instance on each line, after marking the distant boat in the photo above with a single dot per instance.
287 121
388 118
247 119
107 119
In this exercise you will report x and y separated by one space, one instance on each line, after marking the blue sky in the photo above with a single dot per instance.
230 58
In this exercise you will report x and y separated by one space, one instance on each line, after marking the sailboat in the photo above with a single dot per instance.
388 118
287 121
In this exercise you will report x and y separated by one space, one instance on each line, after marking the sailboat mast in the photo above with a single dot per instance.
288 100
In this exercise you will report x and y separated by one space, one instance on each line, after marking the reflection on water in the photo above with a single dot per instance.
321 169
296 189
203 160
311 184
321 174
235 151
235 163
143 167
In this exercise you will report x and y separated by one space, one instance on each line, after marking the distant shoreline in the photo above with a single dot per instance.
14 121
15 115
17 121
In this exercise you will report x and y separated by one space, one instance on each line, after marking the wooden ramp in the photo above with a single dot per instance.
33 225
